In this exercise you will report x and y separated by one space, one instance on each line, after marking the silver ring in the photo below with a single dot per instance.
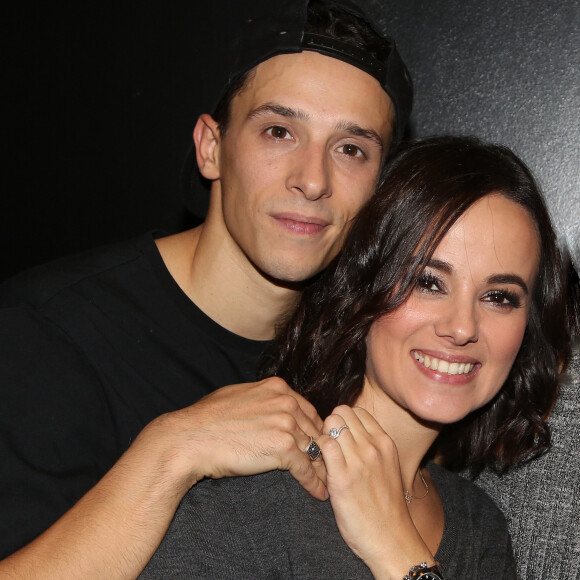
334 433
313 449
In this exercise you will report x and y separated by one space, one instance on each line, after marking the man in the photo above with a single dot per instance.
105 355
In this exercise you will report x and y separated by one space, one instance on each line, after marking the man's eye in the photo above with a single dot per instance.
278 132
351 150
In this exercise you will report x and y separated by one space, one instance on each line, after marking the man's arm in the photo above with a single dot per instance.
115 528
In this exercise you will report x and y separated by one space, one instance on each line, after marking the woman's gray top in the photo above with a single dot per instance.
266 526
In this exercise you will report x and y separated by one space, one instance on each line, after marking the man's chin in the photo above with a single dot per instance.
290 276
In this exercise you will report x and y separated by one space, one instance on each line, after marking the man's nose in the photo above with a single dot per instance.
310 174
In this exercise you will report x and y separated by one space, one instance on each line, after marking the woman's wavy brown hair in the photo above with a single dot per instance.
425 188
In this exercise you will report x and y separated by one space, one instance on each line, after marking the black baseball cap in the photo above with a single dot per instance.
280 29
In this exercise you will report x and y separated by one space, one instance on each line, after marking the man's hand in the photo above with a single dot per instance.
243 430
113 530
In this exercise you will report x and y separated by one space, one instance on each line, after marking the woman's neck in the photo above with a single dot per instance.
412 437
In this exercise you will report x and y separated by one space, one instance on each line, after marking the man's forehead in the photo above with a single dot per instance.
307 85
296 76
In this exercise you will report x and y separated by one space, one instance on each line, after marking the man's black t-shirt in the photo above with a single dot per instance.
92 348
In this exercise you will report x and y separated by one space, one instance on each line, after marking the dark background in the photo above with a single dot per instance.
99 104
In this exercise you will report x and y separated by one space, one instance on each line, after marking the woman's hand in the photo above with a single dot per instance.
366 492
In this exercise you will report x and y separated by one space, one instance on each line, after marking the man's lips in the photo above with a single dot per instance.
301 224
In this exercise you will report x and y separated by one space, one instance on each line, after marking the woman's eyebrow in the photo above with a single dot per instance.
447 268
509 279
440 265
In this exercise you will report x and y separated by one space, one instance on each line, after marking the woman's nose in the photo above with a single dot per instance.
459 323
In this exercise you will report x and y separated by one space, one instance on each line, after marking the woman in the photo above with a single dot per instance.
439 331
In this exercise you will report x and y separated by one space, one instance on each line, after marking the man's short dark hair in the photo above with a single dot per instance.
323 18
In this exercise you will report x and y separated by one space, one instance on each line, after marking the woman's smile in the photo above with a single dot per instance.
453 367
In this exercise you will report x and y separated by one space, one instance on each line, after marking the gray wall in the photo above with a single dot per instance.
505 70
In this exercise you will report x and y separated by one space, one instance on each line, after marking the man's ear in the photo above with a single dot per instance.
206 136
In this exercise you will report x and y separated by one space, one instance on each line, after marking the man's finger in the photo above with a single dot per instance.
311 475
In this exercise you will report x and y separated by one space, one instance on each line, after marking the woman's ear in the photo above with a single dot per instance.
206 136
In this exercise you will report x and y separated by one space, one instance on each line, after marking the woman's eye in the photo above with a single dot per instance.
428 283
503 298
278 132
351 150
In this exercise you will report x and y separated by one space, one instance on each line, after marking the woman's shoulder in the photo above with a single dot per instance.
267 524
475 531
461 497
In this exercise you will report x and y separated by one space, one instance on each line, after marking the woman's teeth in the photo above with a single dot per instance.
443 366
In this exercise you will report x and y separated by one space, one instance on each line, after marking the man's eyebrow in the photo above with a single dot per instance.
493 279
358 131
290 113
276 109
